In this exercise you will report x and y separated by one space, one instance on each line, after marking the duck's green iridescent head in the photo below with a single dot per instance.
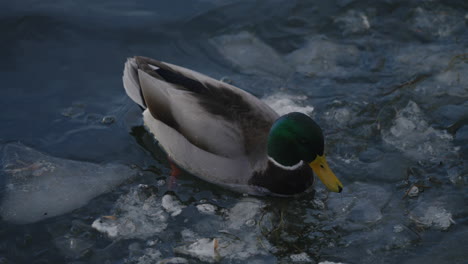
295 137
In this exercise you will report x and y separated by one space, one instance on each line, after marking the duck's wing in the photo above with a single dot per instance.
212 115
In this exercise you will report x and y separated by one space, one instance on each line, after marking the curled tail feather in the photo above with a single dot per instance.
132 83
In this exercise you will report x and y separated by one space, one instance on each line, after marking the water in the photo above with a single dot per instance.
385 80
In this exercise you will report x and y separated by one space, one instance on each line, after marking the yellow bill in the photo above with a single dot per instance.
320 167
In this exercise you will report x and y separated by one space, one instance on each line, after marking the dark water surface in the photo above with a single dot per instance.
83 182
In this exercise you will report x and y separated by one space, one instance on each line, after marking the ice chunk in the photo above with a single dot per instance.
213 249
353 22
448 82
361 207
236 237
250 54
73 247
301 257
206 208
411 134
413 191
205 249
413 60
432 216
339 116
321 57
176 260
40 186
150 256
172 205
284 103
436 23
242 212
137 214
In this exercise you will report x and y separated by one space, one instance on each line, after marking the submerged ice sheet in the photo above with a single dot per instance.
38 186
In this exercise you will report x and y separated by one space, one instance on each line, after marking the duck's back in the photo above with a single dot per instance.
212 116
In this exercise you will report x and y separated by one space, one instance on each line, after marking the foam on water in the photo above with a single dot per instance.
39 186
284 103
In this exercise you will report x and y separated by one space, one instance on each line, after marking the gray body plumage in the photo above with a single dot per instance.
211 129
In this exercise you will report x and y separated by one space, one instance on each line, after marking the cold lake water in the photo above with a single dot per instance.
81 181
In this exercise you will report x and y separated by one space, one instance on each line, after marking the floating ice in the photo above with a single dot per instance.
301 257
325 58
284 103
432 216
241 246
137 214
206 208
411 134
329 262
237 240
243 211
172 205
339 116
176 260
448 82
40 186
72 246
361 206
436 23
150 256
205 249
353 22
250 54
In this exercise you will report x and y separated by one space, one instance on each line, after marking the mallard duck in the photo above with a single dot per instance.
225 135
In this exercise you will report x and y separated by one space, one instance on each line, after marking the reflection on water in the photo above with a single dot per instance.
385 80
